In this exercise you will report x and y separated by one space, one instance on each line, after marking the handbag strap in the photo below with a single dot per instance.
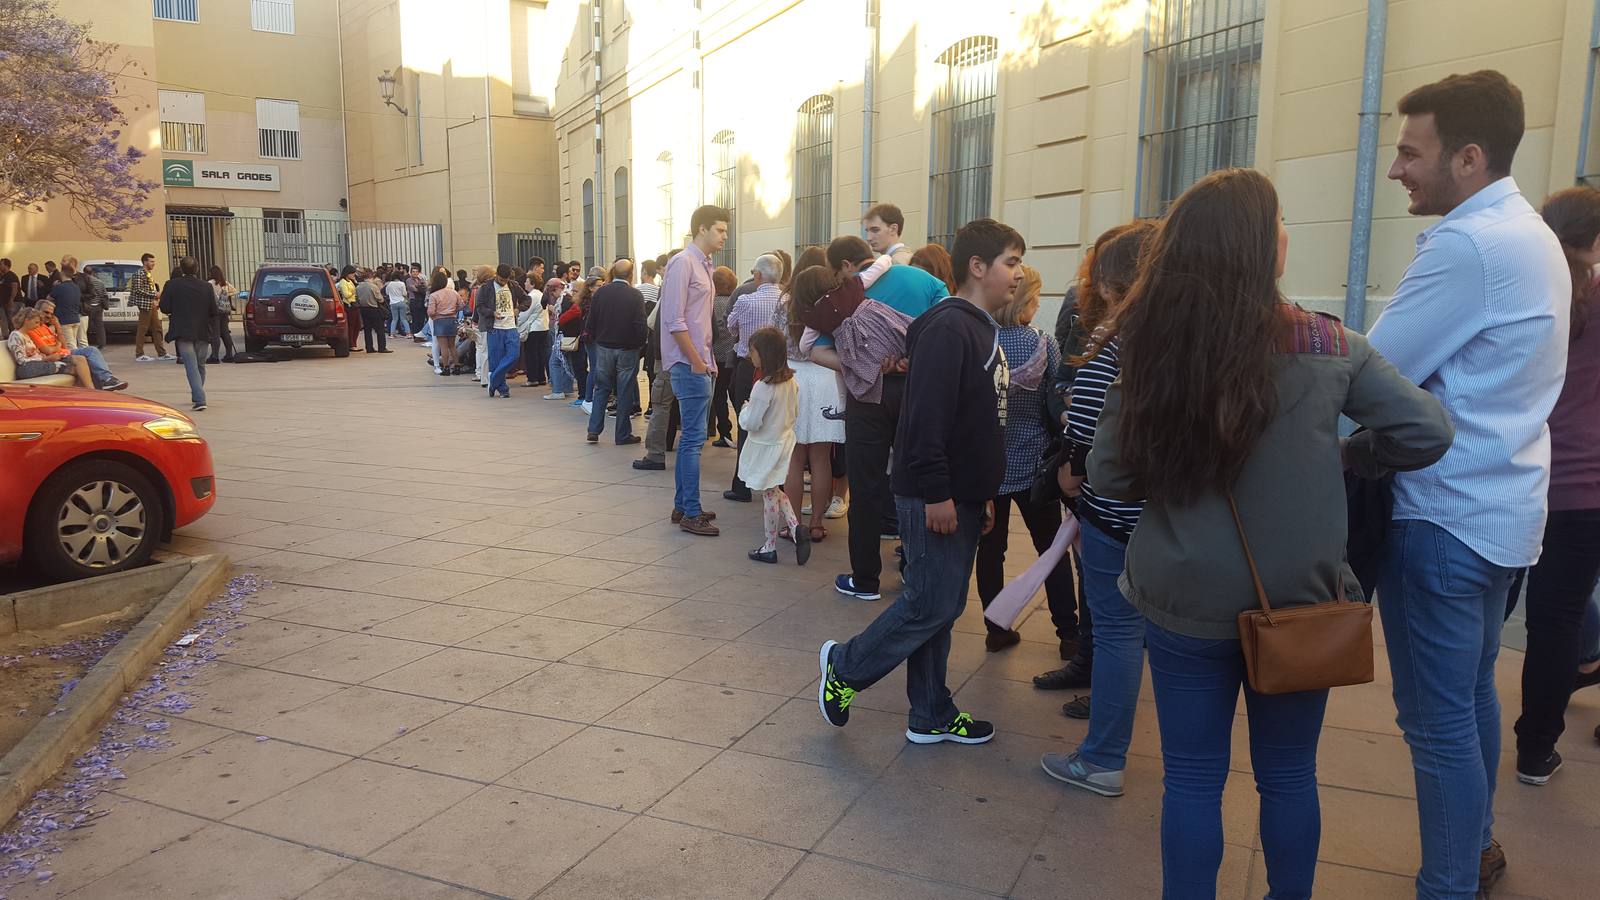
1255 576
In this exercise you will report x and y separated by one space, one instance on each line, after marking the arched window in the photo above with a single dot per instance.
669 237
620 192
813 173
962 168
588 224
726 172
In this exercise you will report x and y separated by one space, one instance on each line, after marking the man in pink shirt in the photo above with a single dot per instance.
687 294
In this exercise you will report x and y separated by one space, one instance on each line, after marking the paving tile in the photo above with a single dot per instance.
514 595
718 620
1345 881
1017 707
352 658
573 693
618 769
443 624
282 565
735 793
503 841
644 652
1123 868
357 807
607 607
265 640
959 838
1371 831
668 861
434 585
821 878
640 547
456 674
354 720
500 561
239 697
609 523
539 637
349 610
364 881
1009 770
180 737
797 731
230 775
277 536
748 590
554 540
581 571
130 831
258 868
277 597
417 526
475 743
662 581
687 711
754 667
419 552
353 575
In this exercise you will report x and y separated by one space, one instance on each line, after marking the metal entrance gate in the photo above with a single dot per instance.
241 244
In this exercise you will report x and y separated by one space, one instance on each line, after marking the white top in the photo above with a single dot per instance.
395 291
1480 320
769 417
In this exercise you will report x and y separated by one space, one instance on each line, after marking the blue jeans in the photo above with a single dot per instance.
617 373
397 319
915 628
591 349
694 400
1442 606
97 365
1197 684
560 376
1119 651
193 356
503 349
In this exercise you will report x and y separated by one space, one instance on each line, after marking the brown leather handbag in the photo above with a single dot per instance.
1303 648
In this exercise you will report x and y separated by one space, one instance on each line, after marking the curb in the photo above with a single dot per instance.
54 741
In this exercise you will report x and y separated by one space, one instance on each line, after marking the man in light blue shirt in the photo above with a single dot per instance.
1480 321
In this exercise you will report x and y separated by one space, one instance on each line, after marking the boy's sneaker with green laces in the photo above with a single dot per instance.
833 695
1079 772
963 729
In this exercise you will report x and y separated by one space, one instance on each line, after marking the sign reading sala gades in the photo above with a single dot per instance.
206 174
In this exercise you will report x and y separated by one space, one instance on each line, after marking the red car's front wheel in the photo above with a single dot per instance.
92 518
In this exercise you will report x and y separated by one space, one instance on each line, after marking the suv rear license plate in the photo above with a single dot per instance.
296 338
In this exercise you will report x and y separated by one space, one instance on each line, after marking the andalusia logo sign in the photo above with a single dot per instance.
177 173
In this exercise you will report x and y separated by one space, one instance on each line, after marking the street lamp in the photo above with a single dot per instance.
386 90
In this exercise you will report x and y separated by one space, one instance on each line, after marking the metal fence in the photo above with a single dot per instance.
517 247
241 244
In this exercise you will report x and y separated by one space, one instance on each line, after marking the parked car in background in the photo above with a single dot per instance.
95 480
292 307
120 314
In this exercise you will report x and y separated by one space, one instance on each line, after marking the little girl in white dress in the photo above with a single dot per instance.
768 417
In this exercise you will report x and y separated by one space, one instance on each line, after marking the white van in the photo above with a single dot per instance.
121 316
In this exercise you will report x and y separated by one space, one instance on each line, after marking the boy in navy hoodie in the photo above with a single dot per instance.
949 459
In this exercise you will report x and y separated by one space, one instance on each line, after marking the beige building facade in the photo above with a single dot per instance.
1061 117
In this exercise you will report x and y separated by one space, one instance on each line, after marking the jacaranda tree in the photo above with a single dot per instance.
60 123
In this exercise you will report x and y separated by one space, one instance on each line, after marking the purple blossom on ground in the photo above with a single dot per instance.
29 841
60 123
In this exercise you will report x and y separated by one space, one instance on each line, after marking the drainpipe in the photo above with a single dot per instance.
1355 288
868 109
599 145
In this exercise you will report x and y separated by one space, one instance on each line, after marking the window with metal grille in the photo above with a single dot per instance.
726 174
588 225
272 15
283 234
813 173
669 238
1589 149
177 10
183 121
1202 87
619 193
278 128
961 171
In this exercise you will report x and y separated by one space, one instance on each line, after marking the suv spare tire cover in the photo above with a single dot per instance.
305 307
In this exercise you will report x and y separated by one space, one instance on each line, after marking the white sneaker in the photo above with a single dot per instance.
554 397
144 358
588 407
166 357
837 508
805 510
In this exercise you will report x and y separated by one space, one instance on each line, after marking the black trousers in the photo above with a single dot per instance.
717 422
578 361
744 378
868 440
536 356
1558 590
1042 521
375 321
97 328
221 335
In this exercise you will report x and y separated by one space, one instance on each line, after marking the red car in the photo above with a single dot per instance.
294 306
93 480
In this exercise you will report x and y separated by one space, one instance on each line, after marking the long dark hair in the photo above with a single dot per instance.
774 355
1574 215
935 260
1198 330
810 285
1113 264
